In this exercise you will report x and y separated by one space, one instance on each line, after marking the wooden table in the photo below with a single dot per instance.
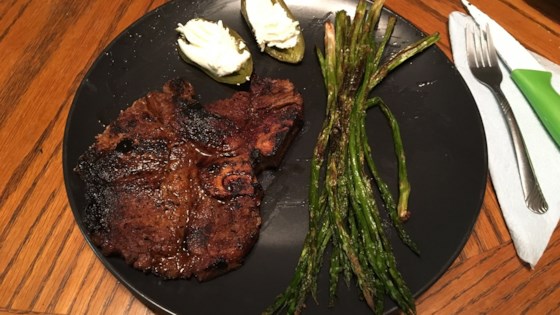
46 266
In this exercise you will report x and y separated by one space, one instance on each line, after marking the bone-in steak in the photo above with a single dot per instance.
171 185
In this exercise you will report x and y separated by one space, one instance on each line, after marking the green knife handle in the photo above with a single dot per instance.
537 88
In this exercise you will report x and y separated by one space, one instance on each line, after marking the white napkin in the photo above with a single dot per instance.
530 232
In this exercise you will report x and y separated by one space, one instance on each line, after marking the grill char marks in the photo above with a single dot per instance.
270 115
171 185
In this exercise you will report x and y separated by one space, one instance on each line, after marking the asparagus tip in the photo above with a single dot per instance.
404 215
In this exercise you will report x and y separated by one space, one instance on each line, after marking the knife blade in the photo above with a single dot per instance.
529 75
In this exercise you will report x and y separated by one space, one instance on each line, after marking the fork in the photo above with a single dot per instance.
483 63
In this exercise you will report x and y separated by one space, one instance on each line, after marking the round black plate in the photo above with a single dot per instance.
440 124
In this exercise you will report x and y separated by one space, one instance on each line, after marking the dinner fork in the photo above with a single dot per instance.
483 63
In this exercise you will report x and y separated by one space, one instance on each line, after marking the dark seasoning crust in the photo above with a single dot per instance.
172 184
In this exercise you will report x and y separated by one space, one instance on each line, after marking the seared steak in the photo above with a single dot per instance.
172 185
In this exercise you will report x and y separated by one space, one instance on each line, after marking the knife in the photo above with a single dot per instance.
528 74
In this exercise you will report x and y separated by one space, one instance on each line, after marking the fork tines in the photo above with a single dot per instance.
485 54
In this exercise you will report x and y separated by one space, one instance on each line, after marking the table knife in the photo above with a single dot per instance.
528 74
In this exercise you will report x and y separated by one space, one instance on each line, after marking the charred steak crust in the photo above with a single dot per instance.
171 185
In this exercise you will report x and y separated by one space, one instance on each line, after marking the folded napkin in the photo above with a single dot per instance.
530 232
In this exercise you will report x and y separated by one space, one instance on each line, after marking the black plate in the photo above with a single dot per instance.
440 125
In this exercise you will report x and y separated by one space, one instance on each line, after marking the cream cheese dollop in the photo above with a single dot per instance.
271 24
211 46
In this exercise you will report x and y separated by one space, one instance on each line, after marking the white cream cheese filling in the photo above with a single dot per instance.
210 45
271 24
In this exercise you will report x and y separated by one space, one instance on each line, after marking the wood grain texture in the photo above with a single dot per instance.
45 265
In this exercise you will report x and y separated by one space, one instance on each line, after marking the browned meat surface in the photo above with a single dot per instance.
171 184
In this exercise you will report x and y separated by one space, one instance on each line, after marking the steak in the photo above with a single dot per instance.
171 185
